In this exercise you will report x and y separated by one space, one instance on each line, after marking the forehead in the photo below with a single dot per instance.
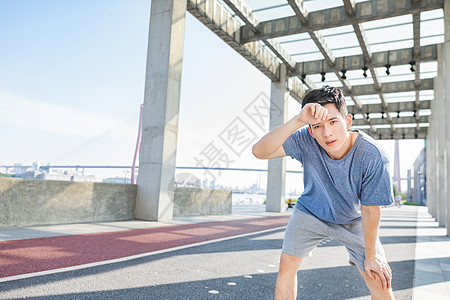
332 110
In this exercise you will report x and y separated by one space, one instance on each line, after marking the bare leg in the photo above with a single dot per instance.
286 286
376 288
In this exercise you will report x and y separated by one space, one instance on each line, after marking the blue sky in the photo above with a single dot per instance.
72 79
71 71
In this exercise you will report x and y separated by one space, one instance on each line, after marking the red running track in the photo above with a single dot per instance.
35 255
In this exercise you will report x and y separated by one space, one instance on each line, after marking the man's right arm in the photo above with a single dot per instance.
271 145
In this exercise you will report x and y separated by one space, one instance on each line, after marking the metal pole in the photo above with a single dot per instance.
138 146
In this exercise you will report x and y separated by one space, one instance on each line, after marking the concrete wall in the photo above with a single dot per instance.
40 202
197 202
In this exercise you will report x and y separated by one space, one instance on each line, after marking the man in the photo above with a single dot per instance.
346 180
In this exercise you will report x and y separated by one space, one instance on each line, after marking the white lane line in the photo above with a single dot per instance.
231 283
127 258
248 276
213 292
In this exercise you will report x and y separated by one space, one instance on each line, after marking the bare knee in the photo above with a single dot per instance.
286 285
289 264
376 288
382 294
377 291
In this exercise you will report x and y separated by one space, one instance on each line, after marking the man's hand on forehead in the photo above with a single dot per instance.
313 113
319 112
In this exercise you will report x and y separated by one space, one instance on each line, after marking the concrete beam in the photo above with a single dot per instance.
398 134
245 13
392 87
367 54
227 27
302 16
395 120
378 60
392 107
296 90
215 16
349 6
299 10
335 17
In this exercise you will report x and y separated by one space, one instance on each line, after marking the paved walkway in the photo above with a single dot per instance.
215 257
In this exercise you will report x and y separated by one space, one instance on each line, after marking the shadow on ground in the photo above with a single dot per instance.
342 282
322 283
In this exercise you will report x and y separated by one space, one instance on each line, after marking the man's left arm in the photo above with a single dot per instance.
370 217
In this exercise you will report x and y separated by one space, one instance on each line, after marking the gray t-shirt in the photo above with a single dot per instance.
334 189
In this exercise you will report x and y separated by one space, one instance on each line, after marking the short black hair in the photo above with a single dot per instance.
326 95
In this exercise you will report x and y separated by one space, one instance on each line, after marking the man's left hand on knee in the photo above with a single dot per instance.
381 268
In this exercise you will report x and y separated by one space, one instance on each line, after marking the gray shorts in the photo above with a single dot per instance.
305 231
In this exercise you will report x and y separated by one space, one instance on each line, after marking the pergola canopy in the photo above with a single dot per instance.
382 53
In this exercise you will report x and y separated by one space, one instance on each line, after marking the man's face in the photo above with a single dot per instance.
332 134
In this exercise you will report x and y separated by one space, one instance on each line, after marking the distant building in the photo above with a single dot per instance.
121 180
19 169
46 169
253 189
29 175
197 183
46 173
205 183
85 178
56 176
36 166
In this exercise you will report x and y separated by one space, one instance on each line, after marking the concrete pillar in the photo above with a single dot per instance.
429 178
434 167
409 191
441 129
430 168
435 154
416 189
160 115
276 177
446 107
